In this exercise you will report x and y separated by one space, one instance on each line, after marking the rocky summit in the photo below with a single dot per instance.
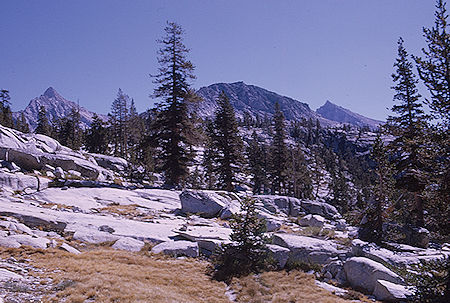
54 198
56 107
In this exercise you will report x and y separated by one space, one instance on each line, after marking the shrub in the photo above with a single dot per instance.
248 251
431 281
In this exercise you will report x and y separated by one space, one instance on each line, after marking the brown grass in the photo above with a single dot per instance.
281 286
106 275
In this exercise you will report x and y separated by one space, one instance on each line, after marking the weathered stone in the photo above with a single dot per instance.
93 236
59 173
31 241
279 254
320 208
363 273
177 248
6 275
9 242
35 222
206 204
312 220
391 292
18 181
69 249
307 249
128 244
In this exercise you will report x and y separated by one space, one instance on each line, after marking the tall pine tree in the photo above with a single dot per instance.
43 126
227 143
5 109
278 152
408 127
96 137
172 125
119 124
434 71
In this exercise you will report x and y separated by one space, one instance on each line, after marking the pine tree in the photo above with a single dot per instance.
5 109
383 193
299 182
22 124
248 251
209 156
96 138
258 163
119 124
408 127
173 127
228 144
434 68
434 71
43 126
278 152
136 133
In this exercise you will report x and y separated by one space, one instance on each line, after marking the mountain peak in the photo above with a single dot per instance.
51 93
340 114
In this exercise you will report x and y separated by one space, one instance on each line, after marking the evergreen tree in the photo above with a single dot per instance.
299 182
383 192
434 71
136 133
22 124
408 127
119 124
340 190
248 251
209 156
5 109
258 163
227 143
96 138
43 126
434 68
278 152
173 127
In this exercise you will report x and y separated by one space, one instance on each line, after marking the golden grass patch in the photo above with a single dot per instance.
281 287
106 275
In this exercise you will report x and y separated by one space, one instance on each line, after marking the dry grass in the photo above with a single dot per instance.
294 286
130 211
106 275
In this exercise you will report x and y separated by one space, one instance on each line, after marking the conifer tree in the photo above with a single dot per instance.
22 124
43 126
172 125
96 138
5 109
382 195
209 156
278 152
434 68
228 144
258 163
136 132
248 250
299 182
434 71
408 127
119 124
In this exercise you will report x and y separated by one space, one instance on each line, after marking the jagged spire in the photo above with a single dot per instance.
51 93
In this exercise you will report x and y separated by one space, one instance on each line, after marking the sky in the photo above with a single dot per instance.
312 51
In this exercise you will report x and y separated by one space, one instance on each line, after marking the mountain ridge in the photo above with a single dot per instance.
56 107
340 114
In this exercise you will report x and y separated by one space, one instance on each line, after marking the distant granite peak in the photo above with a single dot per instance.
339 114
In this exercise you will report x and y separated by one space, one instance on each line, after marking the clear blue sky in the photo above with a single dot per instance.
313 51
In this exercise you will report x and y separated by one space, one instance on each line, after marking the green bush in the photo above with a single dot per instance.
431 281
248 252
